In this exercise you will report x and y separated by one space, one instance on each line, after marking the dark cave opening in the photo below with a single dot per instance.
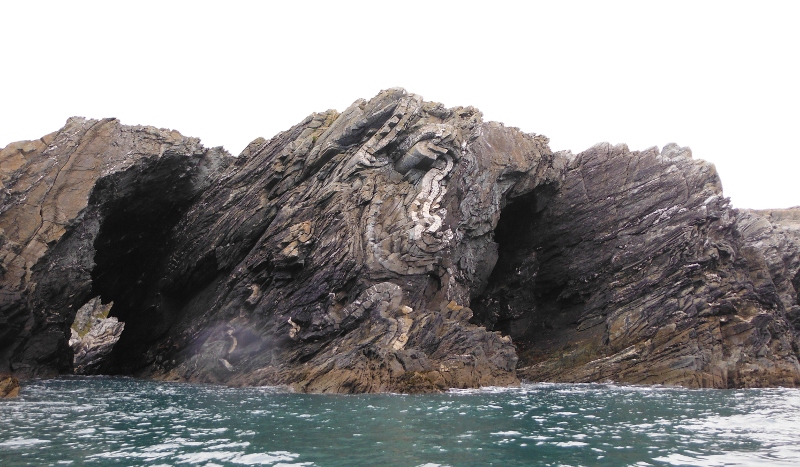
510 292
526 294
138 210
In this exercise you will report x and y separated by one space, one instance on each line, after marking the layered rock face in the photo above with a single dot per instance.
639 271
339 256
348 253
86 207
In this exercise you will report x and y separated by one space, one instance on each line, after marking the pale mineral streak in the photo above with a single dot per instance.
395 246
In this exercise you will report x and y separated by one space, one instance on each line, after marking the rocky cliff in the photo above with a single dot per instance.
396 246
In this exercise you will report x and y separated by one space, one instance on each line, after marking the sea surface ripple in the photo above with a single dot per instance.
124 421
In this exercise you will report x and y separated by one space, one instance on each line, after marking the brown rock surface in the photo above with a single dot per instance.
396 246
9 387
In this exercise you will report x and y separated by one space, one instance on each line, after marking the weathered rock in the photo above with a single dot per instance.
397 246
773 237
636 271
9 387
340 240
62 197
93 335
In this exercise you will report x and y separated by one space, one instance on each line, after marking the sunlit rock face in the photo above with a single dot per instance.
396 246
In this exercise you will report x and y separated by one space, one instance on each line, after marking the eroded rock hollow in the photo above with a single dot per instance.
396 246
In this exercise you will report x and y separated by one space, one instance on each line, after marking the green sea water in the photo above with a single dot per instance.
123 421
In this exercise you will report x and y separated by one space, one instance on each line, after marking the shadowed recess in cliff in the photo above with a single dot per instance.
516 290
130 252
524 297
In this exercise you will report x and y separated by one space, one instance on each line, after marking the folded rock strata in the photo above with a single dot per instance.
396 246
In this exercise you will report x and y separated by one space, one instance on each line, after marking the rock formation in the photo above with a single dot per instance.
9 387
93 335
639 271
396 246
73 206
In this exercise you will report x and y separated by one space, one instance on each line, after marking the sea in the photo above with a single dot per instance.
130 422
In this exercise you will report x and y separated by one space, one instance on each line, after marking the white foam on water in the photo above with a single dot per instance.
21 442
198 457
230 445
538 437
162 447
484 390
570 444
128 453
738 459
265 458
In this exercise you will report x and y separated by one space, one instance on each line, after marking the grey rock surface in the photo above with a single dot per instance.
638 271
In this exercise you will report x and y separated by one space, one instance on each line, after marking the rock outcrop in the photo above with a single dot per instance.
93 335
396 246
9 387
773 238
638 271
76 206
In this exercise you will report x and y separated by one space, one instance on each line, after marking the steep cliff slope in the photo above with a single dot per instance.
348 253
637 271
338 255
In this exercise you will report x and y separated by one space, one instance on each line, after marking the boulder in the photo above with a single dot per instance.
93 335
9 387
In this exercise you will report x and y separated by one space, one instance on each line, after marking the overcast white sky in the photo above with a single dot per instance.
720 77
